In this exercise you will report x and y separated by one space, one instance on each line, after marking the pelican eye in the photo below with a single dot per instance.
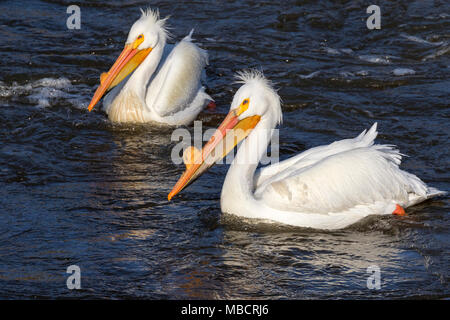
244 105
138 41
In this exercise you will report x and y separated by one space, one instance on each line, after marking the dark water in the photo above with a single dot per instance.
76 189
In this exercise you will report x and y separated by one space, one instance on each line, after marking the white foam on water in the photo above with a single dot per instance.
375 59
332 51
420 40
43 93
309 76
43 96
437 53
362 73
403 72
59 83
346 74
346 50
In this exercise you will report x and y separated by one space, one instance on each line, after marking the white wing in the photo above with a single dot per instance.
315 154
177 82
340 176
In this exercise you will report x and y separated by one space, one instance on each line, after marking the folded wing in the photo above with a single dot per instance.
338 177
177 81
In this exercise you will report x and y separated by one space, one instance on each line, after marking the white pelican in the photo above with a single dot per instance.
165 85
326 187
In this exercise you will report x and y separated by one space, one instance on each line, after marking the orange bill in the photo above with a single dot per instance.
127 62
230 132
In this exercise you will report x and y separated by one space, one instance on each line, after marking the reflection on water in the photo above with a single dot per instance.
76 189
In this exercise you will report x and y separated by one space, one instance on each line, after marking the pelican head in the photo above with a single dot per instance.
255 102
147 33
256 97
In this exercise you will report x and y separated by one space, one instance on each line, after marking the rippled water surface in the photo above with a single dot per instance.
77 189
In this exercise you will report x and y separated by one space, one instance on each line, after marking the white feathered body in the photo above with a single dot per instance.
170 92
327 187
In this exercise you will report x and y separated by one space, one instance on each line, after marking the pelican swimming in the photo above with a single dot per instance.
151 82
326 187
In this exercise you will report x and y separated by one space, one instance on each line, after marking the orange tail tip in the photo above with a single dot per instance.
211 105
399 211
